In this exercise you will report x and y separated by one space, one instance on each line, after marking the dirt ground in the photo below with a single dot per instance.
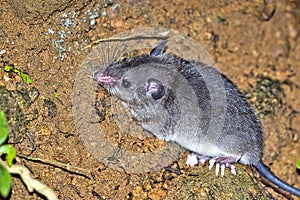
255 43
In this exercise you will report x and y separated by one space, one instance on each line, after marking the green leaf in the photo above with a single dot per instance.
8 68
5 182
298 164
24 76
10 153
3 128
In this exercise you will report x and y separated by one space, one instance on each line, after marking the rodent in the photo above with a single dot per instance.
169 96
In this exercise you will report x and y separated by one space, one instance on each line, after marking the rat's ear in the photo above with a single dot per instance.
159 49
155 88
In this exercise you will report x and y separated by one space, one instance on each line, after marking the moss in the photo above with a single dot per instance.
265 96
199 183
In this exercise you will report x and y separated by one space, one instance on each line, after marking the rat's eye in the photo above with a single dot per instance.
125 83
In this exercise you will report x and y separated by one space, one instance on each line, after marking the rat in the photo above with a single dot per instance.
181 101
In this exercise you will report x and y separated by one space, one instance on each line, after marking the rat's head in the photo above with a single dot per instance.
135 83
135 78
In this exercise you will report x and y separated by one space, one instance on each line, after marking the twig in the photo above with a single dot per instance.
160 36
31 183
68 167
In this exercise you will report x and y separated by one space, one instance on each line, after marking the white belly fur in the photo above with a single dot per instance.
207 149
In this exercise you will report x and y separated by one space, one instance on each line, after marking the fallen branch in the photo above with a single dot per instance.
31 183
61 165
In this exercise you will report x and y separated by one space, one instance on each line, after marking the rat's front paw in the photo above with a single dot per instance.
194 158
191 160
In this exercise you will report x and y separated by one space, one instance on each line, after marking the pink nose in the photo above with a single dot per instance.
104 79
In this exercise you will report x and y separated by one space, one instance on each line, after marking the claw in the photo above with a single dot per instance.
202 160
211 163
217 168
223 170
232 169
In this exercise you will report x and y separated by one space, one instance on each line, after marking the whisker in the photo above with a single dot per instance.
102 54
119 50
108 52
115 48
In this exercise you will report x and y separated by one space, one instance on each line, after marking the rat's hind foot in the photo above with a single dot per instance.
223 162
194 158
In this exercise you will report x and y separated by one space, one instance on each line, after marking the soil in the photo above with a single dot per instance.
255 43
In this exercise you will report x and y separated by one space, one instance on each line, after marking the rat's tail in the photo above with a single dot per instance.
263 170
